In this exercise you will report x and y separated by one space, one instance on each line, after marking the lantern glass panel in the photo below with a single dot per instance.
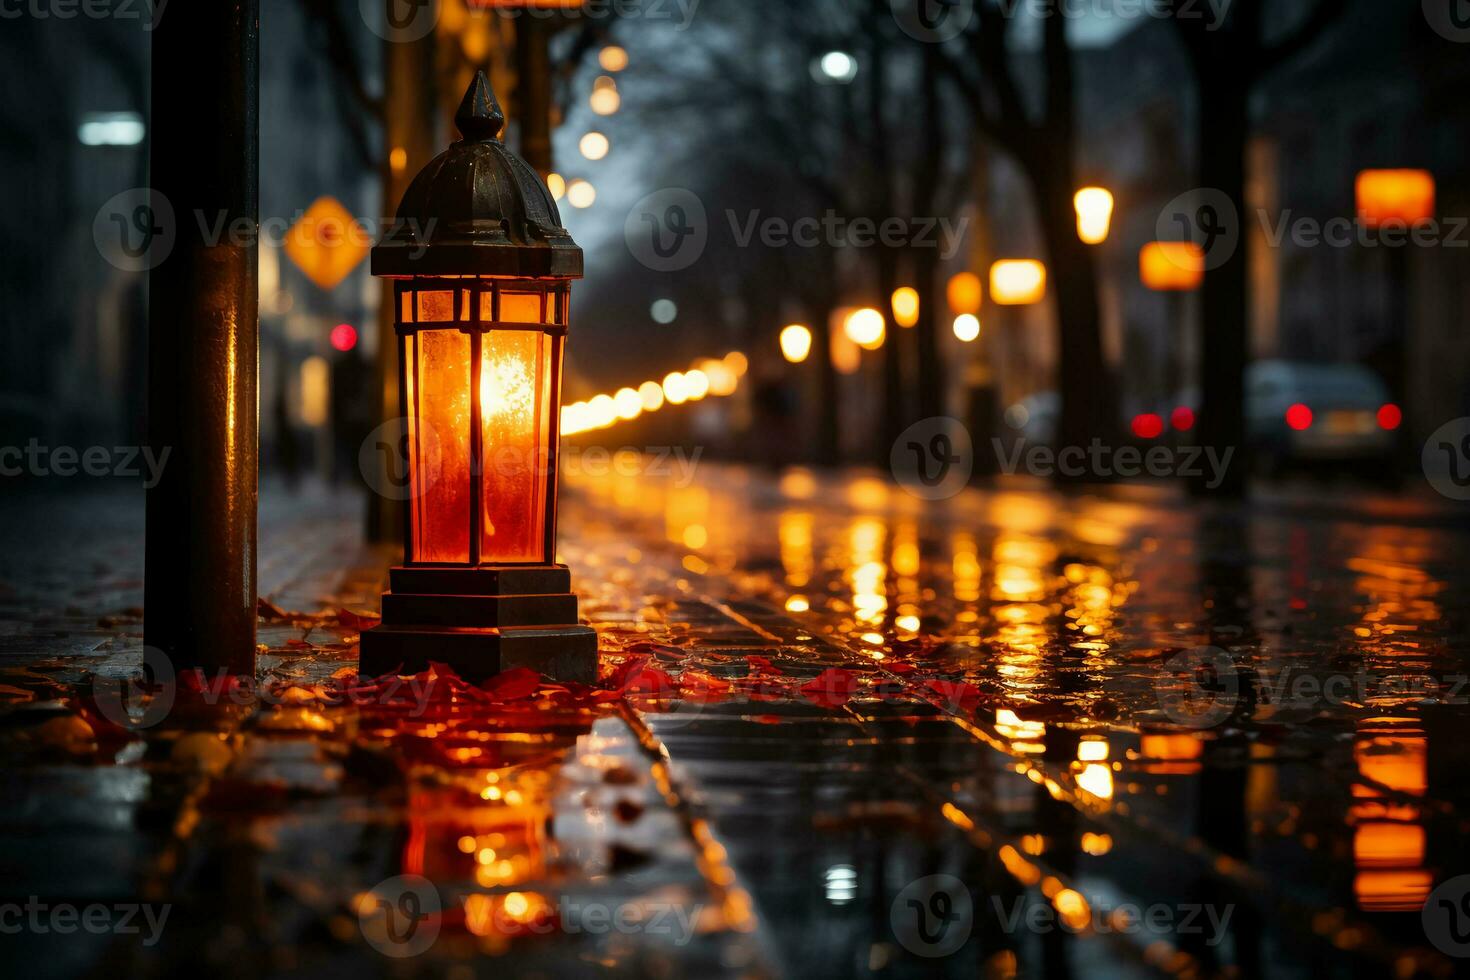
436 306
515 391
440 443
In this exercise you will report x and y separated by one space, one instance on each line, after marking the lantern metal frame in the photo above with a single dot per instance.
477 222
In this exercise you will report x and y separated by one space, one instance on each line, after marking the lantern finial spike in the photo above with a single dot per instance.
479 117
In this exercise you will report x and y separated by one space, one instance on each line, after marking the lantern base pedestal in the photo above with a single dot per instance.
481 621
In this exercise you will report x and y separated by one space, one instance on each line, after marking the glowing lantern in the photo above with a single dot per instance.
796 343
1017 282
1094 214
1395 195
906 306
963 293
1172 267
482 274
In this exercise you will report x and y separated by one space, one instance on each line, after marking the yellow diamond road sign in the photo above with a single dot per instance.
327 243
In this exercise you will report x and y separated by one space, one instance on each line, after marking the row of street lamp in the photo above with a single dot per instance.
709 377
1383 197
594 145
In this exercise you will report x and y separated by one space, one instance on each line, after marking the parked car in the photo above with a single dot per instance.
1303 413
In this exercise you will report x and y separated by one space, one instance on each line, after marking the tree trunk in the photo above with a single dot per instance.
1224 347
895 405
1089 405
932 402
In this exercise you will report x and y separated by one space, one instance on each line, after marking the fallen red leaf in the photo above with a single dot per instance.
648 680
358 621
956 694
513 685
832 688
702 684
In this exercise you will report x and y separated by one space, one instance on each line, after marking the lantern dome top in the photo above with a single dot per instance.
477 209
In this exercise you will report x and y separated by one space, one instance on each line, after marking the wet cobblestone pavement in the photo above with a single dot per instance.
841 732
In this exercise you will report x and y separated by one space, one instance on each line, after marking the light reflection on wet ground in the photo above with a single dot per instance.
1161 704
1049 710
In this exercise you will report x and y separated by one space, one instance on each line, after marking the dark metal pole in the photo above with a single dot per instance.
203 348
533 89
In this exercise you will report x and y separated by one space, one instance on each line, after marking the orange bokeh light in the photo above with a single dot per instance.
1175 267
1406 196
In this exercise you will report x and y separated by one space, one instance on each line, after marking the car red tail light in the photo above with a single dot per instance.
1390 417
1299 417
1182 420
1148 426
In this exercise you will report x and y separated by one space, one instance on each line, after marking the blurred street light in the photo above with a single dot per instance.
696 384
111 129
676 388
865 327
605 99
1172 267
1395 195
581 194
963 293
664 311
612 58
967 327
796 343
629 404
906 306
836 66
343 337
594 146
1017 282
1094 214
557 184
